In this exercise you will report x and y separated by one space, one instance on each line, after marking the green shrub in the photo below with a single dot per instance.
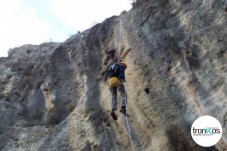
26 81
134 3
6 95
169 40
170 43
57 115
163 3
1 96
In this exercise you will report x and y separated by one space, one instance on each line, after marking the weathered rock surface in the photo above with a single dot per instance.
53 96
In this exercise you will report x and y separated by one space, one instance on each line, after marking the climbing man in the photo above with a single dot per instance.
115 74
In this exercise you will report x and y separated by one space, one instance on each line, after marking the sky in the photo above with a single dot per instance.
38 21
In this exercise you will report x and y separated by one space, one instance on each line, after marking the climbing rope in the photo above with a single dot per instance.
129 130
119 48
119 39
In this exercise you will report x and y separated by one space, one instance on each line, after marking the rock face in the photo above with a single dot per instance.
53 96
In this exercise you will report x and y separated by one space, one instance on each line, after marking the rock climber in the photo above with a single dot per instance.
115 73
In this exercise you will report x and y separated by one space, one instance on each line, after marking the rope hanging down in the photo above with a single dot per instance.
129 130
119 39
119 49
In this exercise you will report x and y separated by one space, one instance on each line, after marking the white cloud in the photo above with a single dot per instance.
80 14
22 22
20 25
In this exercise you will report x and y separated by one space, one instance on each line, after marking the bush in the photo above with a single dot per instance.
170 43
26 81
1 96
133 2
163 3
57 115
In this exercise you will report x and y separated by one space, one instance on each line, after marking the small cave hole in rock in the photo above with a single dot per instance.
45 89
111 53
147 90
226 9
108 124
28 51
169 68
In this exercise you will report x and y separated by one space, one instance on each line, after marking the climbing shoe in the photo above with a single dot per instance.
114 116
123 110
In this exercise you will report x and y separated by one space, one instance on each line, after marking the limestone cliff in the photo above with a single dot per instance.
53 96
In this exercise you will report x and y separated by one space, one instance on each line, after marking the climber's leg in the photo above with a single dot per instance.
123 94
113 91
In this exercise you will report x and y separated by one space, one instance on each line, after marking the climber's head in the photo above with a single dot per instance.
124 64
